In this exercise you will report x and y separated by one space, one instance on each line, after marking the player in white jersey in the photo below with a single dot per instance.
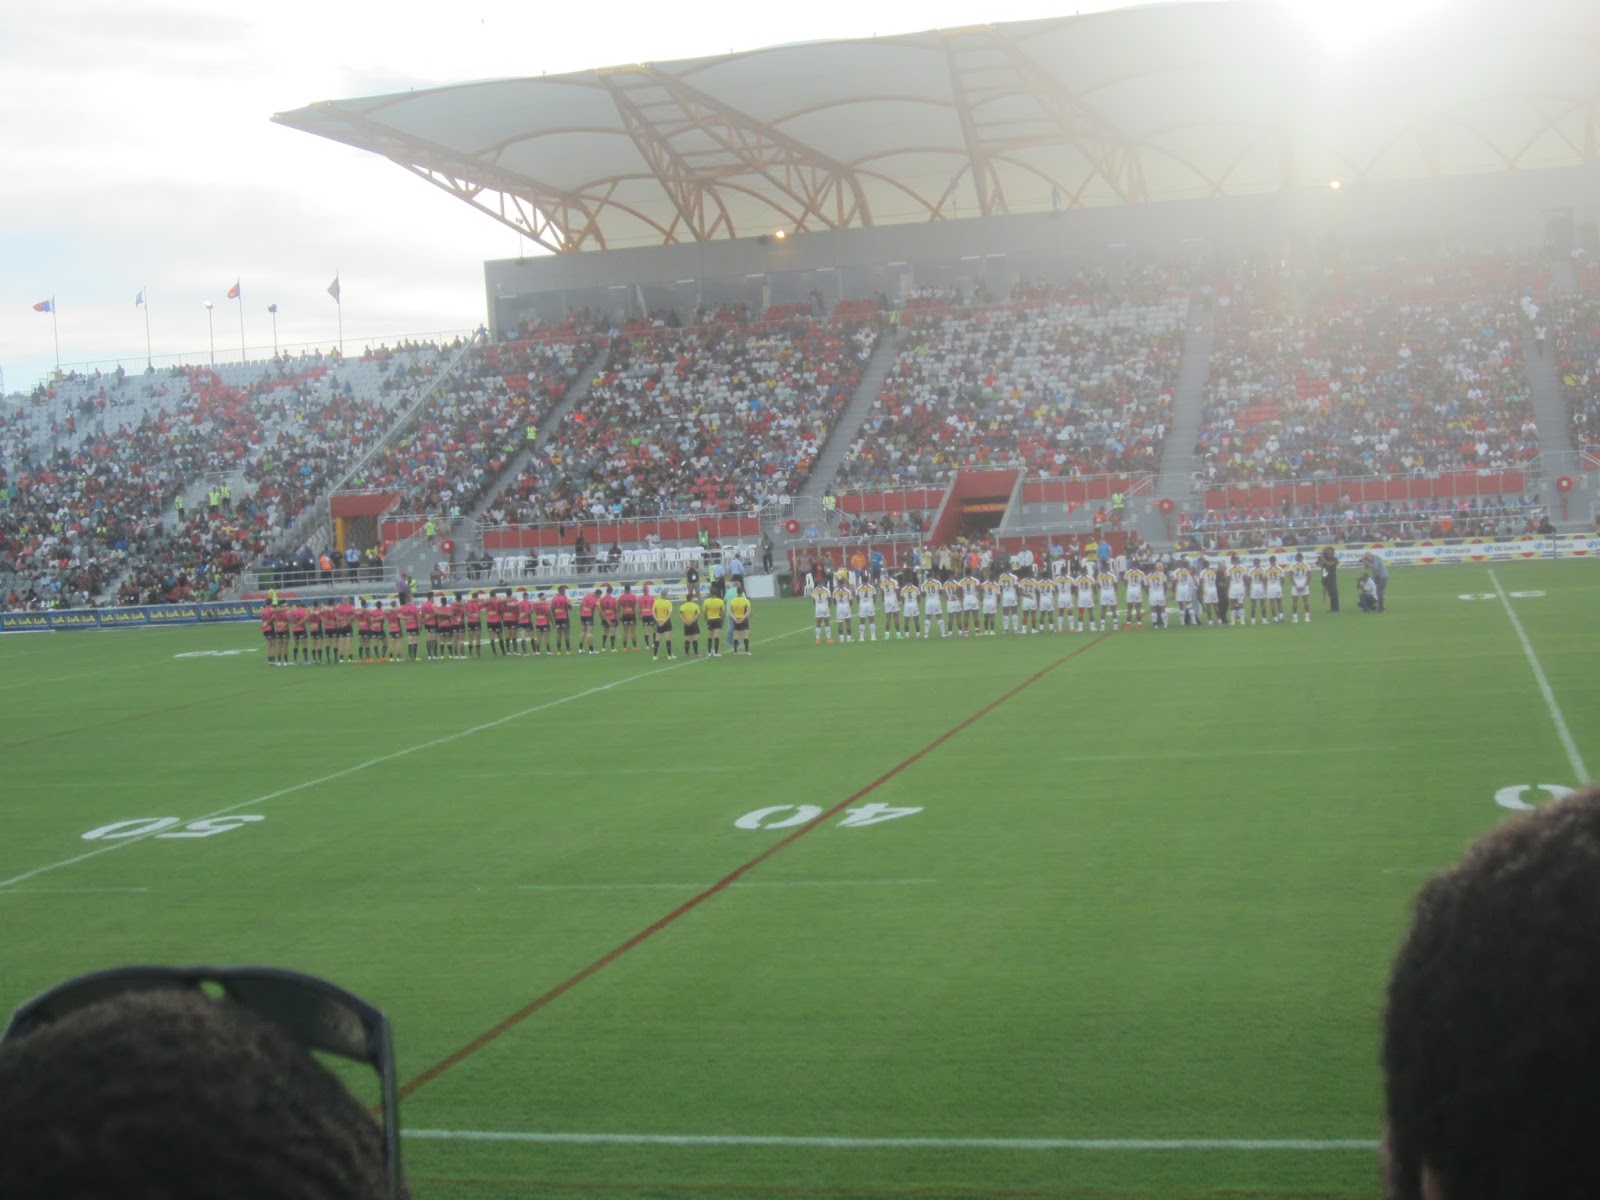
932 607
1183 588
970 590
1258 591
1045 597
1108 600
821 599
891 608
910 608
1133 586
989 603
1299 588
1030 589
842 596
1156 584
954 614
1084 584
867 610
1208 595
1237 581
1009 585
1274 574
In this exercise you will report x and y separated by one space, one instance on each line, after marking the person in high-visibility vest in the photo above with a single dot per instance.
430 529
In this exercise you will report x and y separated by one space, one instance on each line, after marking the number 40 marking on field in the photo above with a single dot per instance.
804 814
144 826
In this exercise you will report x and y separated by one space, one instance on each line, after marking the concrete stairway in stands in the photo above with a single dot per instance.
851 419
1178 462
547 430
1557 455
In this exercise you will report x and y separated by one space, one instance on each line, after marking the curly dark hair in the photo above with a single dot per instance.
1491 1039
169 1094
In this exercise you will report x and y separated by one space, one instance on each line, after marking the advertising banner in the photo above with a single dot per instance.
140 616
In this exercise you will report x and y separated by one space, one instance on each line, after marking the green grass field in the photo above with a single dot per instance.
1150 894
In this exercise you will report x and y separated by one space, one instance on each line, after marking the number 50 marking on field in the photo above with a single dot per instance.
804 814
144 826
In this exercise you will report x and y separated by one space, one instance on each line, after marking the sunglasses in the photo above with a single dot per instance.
316 1013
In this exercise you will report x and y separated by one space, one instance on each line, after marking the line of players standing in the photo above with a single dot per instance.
512 623
1085 597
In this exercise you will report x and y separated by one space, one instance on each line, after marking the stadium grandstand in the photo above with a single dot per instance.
1147 272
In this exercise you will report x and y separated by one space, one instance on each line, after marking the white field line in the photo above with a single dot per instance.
374 762
895 1143
700 887
29 683
105 891
593 771
1286 752
1580 771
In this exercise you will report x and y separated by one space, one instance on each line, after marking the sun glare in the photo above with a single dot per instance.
1345 25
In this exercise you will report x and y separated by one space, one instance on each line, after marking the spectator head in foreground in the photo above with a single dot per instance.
137 1083
1491 1039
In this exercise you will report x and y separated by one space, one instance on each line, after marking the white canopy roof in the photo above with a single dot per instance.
1175 101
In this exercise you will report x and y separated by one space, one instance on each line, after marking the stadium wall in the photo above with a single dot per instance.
1513 211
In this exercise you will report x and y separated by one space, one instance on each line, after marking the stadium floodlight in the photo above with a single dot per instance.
779 234
1343 25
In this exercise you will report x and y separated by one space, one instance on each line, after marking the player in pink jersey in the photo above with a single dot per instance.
608 621
345 620
628 617
411 616
474 609
588 603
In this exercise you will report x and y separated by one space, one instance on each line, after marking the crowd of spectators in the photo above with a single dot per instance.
1379 380
1576 323
465 436
717 416
1058 381
1247 528
317 422
92 467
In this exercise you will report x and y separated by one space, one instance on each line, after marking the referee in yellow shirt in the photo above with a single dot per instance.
739 610
661 609
714 606
689 610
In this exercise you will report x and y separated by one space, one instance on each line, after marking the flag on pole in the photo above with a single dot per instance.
333 290
233 292
48 306
138 301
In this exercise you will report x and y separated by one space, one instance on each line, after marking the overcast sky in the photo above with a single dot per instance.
138 153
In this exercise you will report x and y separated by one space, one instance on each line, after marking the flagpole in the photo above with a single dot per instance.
239 300
149 359
338 302
55 330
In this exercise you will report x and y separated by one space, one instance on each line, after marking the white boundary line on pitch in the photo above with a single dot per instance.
1571 747
593 771
6 687
894 1143
376 762
700 887
105 891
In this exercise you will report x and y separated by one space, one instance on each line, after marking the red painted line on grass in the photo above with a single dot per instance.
738 873
112 722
